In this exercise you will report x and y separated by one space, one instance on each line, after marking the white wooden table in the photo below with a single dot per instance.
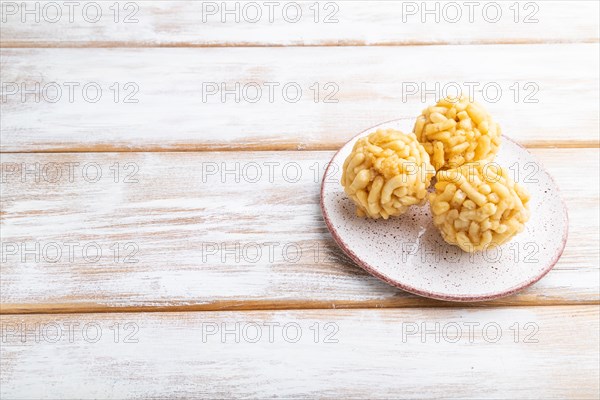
162 238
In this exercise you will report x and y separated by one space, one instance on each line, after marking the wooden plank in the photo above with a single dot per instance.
182 23
178 108
206 237
417 353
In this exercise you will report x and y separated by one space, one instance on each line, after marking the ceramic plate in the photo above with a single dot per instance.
408 251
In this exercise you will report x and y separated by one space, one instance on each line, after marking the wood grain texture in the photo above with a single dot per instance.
193 221
184 23
420 353
176 110
232 230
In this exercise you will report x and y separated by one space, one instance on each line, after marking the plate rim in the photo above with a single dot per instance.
431 294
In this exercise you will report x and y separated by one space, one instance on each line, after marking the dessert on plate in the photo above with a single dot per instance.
478 206
387 172
456 131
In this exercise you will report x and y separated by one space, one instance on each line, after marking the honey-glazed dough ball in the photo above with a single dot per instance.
456 131
478 206
387 172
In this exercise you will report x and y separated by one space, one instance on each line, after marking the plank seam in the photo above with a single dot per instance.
233 308
282 148
141 45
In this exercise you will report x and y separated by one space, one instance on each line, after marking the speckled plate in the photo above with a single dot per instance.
408 251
